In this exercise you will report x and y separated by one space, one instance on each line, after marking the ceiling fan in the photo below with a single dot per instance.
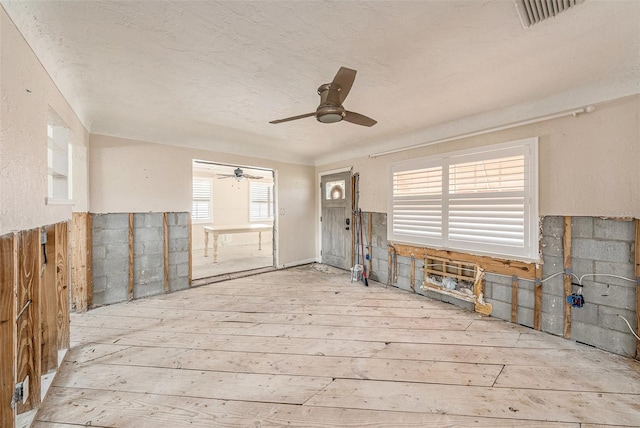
332 95
238 175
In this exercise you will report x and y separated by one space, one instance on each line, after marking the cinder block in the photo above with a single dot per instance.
97 237
449 299
609 340
624 270
116 266
146 234
117 252
148 276
610 229
501 293
380 253
179 284
182 270
177 232
178 219
114 236
173 272
148 289
552 265
403 283
99 283
587 314
524 284
153 247
552 323
152 220
581 266
612 251
98 221
525 317
488 290
117 221
582 227
117 288
379 219
554 287
526 298
178 257
553 304
98 252
498 279
500 310
404 270
98 268
552 246
614 296
176 245
148 261
553 226
608 319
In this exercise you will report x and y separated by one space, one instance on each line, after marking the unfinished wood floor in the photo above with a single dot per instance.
306 347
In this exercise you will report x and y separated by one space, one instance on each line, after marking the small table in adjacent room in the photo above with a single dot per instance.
227 230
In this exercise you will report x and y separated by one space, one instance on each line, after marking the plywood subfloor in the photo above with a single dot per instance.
306 347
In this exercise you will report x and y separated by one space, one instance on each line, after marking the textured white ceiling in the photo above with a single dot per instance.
211 74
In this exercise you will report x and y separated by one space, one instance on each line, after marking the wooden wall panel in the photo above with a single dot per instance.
567 277
79 262
165 235
131 257
62 283
49 305
490 264
637 271
537 305
28 346
7 326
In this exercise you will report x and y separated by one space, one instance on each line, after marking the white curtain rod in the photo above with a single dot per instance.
574 113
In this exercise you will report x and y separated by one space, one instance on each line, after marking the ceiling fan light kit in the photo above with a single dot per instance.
332 95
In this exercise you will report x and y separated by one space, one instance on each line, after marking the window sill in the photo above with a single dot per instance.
54 201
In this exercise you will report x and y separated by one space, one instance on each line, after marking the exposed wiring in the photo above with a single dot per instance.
604 274
629 325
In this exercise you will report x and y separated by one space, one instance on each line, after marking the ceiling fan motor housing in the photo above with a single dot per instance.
330 110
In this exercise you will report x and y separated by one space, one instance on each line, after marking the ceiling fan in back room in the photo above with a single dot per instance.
238 175
332 95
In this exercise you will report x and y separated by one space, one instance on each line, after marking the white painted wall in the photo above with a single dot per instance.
26 93
138 176
588 164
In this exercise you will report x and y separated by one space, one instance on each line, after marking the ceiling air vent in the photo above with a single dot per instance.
533 11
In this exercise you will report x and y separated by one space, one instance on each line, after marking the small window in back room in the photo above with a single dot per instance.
201 202
261 206
58 161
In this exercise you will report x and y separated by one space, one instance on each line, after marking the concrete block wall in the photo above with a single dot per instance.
178 251
599 246
110 255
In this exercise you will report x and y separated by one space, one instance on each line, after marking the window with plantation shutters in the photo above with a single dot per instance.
201 202
261 204
483 200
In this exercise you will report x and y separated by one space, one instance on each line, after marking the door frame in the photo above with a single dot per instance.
276 220
348 169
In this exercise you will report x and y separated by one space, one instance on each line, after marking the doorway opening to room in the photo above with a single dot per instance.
232 219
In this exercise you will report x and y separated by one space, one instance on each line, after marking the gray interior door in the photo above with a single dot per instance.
336 219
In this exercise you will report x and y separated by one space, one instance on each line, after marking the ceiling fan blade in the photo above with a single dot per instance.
253 177
302 116
359 119
344 78
223 176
